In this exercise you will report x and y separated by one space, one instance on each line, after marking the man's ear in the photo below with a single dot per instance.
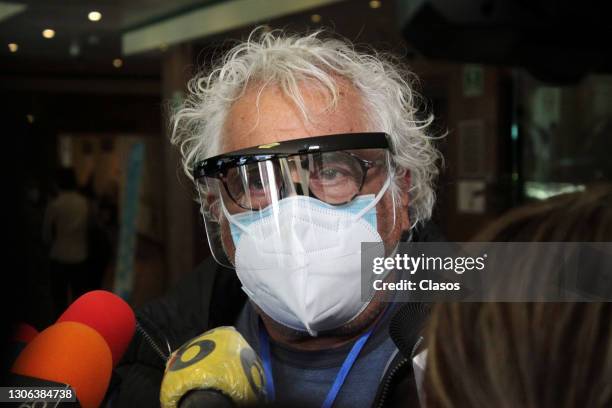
213 205
210 199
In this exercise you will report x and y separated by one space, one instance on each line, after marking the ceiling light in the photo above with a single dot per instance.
375 4
13 47
94 16
117 63
315 18
48 33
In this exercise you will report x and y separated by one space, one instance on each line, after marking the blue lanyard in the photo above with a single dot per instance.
264 342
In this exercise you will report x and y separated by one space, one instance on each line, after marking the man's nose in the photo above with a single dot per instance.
299 179
299 190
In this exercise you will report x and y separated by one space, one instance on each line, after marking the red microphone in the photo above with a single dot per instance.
24 333
109 315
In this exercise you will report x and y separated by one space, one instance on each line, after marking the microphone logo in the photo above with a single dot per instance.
253 371
190 354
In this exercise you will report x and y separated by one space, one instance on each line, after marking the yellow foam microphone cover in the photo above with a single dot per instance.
220 360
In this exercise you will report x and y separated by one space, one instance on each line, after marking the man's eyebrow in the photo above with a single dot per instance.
367 154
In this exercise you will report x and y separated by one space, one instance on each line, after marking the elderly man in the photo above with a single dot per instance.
300 149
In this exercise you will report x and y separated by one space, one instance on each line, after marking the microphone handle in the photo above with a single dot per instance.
205 398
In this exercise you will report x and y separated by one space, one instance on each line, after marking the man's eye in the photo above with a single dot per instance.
329 173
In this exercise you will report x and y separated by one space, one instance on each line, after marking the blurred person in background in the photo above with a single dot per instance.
99 237
65 229
324 142
527 354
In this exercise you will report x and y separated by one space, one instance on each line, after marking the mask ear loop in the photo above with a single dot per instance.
377 198
231 218
382 191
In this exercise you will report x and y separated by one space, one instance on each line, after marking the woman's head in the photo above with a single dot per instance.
577 217
527 354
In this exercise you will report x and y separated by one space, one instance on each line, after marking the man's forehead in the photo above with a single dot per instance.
267 116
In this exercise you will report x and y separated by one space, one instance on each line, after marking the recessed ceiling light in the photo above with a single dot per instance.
94 16
48 33
117 63
315 18
375 4
13 47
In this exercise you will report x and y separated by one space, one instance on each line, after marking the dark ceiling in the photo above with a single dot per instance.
82 48
80 45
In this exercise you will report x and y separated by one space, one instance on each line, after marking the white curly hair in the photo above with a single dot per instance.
276 58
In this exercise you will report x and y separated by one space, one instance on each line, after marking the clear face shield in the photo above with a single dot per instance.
287 201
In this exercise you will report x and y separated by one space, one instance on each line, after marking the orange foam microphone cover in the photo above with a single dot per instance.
107 313
70 353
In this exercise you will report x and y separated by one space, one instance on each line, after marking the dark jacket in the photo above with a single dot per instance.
209 297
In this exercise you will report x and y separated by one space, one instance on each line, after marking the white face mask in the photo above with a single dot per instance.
299 261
